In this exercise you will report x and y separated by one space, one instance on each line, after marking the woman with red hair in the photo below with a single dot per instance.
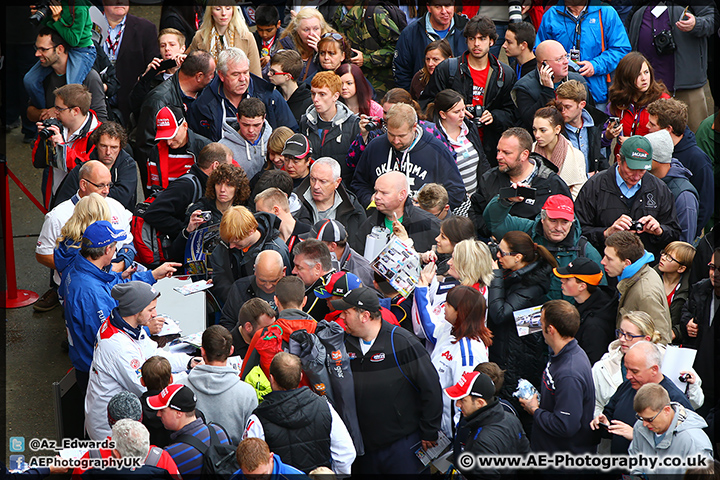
356 91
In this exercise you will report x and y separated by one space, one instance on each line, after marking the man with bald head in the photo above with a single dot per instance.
94 178
537 88
396 213
643 362
410 149
269 269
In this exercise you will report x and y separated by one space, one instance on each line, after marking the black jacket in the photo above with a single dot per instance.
229 264
547 182
523 357
708 355
393 402
242 290
600 203
491 431
497 98
530 95
195 144
123 175
596 159
177 248
597 322
299 102
676 307
350 213
422 227
159 435
297 427
167 213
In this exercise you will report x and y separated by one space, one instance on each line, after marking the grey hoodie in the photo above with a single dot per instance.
683 439
251 158
223 397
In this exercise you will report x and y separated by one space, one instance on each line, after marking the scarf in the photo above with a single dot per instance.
218 42
558 155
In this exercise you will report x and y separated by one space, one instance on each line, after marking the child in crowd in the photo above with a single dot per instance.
674 268
284 69
156 375
267 21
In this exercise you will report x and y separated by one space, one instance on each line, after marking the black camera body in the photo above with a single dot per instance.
476 111
46 133
664 42
43 10
493 246
636 226
375 124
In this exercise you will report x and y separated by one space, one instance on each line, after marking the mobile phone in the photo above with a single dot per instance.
552 75
604 426
525 192
166 64
614 120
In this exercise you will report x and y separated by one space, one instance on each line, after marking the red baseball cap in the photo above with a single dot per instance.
560 206
473 383
167 124
176 396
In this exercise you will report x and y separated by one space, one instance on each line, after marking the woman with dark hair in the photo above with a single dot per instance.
633 88
461 342
551 144
356 91
435 52
226 186
448 113
453 230
521 282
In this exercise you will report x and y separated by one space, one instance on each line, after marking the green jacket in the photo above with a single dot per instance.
499 221
377 52
74 25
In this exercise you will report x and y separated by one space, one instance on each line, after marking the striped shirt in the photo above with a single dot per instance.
188 459
467 159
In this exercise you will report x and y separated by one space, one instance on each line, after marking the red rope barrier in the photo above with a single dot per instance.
26 191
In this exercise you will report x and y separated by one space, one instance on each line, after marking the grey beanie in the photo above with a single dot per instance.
124 405
133 297
662 146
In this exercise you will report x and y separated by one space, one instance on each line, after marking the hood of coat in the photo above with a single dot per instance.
212 380
343 113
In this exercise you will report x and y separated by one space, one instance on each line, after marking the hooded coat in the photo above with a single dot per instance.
427 160
251 157
687 200
229 264
701 165
223 397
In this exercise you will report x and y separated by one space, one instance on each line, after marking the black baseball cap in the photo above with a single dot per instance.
581 268
364 298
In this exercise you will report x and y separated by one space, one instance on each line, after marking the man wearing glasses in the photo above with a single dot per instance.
643 361
94 178
537 88
666 429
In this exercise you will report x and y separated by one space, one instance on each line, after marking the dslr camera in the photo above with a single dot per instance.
43 10
664 42
476 111
375 124
46 133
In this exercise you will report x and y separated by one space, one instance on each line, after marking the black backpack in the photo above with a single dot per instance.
218 459
396 15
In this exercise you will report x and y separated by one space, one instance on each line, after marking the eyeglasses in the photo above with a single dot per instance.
619 333
712 267
668 256
505 254
650 420
272 73
561 58
44 49
102 186
58 109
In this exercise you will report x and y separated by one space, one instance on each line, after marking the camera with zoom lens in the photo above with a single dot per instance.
515 12
664 42
46 133
43 10
476 111
493 246
375 124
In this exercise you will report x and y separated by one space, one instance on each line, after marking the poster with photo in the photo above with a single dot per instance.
400 265
527 320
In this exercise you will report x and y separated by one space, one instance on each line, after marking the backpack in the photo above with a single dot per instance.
218 459
151 245
396 15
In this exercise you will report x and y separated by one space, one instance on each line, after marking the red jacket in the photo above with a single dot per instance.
634 121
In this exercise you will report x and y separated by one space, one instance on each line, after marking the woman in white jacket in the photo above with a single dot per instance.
571 164
608 372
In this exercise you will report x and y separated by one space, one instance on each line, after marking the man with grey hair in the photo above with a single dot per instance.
677 177
326 198
410 149
218 103
396 213
132 441
313 264
643 362
269 269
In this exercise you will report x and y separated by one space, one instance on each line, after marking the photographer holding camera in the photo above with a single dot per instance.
675 42
64 140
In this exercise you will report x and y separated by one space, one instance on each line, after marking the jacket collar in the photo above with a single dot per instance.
118 322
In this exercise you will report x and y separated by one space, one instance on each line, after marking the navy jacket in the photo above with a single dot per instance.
700 164
207 112
567 400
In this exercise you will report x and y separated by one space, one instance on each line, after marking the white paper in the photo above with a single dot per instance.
72 452
400 265
677 360
170 327
431 454
657 11
193 287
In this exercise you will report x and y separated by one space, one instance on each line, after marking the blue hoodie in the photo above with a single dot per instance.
700 164
280 471
635 267
687 203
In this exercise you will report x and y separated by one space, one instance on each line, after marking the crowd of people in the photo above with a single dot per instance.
558 195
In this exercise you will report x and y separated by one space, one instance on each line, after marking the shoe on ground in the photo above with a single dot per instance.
47 302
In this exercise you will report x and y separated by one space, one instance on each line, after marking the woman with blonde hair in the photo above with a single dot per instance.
607 372
88 210
224 26
303 34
